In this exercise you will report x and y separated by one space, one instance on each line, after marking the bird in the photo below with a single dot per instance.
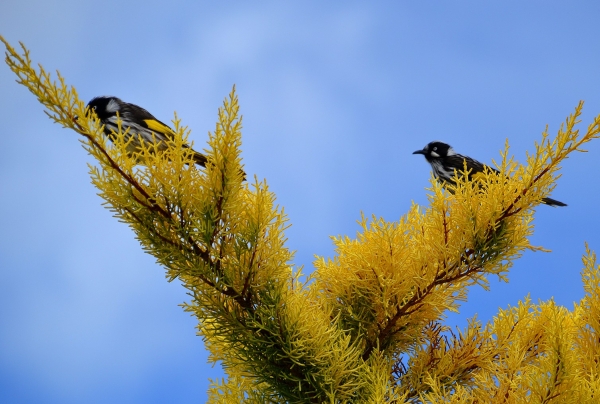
140 124
446 164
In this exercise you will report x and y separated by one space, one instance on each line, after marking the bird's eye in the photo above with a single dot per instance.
435 148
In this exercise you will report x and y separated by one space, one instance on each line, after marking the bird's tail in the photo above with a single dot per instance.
552 202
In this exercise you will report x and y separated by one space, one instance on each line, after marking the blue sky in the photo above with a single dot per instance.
335 98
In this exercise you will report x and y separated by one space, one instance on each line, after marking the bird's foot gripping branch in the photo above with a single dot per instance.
368 327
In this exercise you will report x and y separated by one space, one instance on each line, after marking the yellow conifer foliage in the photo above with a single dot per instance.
368 326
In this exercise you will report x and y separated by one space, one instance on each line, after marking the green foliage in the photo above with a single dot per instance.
368 326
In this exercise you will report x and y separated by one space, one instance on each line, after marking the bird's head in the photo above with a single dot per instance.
436 150
105 107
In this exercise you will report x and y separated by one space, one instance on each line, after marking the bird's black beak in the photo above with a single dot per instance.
423 152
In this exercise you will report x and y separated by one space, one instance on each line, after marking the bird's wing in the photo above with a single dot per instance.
149 121
157 126
476 168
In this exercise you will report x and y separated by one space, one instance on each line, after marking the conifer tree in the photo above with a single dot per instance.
368 325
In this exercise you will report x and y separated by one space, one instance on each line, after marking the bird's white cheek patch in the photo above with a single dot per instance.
112 106
434 154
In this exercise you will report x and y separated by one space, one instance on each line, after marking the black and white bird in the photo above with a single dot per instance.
140 124
446 164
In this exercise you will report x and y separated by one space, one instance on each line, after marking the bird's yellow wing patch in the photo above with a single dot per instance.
159 127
